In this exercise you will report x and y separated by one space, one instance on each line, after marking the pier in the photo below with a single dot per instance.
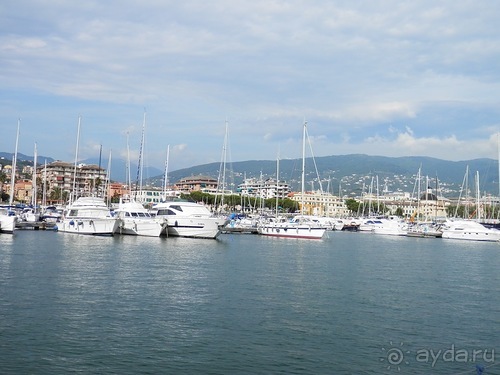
36 225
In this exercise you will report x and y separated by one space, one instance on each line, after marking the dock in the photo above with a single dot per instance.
228 230
36 225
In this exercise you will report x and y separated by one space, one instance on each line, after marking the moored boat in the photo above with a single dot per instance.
7 220
469 230
189 219
297 227
89 215
136 220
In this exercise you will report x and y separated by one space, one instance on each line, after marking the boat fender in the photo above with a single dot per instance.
91 222
71 222
80 223
176 224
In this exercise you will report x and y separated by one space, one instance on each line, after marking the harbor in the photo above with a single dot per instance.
245 304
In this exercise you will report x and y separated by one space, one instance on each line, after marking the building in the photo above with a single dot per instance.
196 183
61 178
319 203
265 189
426 207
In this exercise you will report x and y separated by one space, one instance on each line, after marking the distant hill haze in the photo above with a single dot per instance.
347 171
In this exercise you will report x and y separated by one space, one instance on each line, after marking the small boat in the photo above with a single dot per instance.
30 215
89 215
8 220
297 227
424 230
136 220
189 219
52 214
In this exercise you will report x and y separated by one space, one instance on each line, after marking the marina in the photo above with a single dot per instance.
246 304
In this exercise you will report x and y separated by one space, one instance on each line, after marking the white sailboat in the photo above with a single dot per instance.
32 214
470 229
297 227
135 219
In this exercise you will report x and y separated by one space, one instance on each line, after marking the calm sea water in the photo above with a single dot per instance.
352 303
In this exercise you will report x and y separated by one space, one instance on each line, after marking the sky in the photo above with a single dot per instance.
382 77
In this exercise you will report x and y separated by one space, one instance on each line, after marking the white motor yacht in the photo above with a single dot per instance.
469 230
7 220
89 215
189 219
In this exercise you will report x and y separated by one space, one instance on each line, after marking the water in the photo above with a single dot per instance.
353 303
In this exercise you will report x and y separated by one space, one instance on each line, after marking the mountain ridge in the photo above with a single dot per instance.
345 169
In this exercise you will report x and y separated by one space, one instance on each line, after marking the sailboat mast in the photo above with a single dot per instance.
498 160
224 158
73 192
129 179
35 192
303 168
277 181
478 198
165 182
14 162
141 158
108 178
44 197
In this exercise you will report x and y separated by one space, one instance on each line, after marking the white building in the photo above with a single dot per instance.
321 204
265 189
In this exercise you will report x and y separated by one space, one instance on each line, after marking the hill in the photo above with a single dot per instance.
397 173
349 171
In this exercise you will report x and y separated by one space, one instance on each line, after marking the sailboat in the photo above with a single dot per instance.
32 214
470 229
135 219
297 227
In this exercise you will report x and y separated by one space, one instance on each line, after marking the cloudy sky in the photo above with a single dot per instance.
391 77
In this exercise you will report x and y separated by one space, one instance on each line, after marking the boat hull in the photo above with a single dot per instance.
90 226
148 228
305 232
7 224
196 228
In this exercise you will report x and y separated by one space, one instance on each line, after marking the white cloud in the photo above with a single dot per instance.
356 70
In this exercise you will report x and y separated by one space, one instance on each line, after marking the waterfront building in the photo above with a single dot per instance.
265 189
320 203
196 183
60 176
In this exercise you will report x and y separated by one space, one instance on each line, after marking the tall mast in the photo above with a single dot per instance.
108 177
277 181
303 168
478 198
141 158
14 162
44 197
498 160
165 182
35 192
129 179
73 192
